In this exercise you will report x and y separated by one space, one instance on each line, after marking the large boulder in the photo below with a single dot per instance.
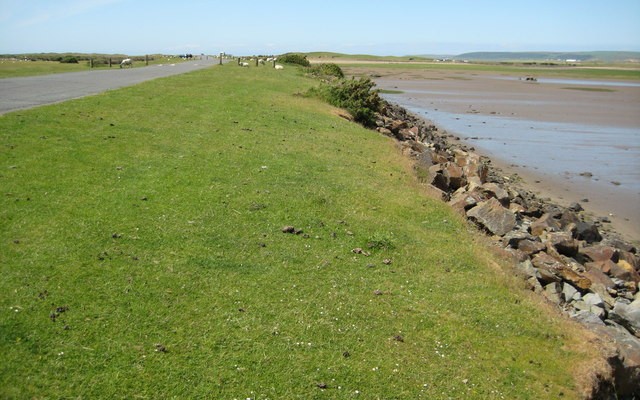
628 315
623 270
552 270
492 216
599 253
588 232
455 176
461 201
531 247
546 223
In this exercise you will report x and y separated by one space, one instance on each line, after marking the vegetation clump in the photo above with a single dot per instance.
328 70
354 95
291 58
69 60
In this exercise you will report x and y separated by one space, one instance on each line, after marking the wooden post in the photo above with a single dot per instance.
91 63
274 63
220 61
146 60
110 62
256 61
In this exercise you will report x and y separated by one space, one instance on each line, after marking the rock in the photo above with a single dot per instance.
599 253
564 243
527 270
385 131
455 176
604 266
493 216
546 223
463 201
547 267
436 178
552 292
586 318
623 270
588 232
552 270
575 207
396 125
624 360
569 221
593 299
630 258
514 238
493 190
569 293
628 315
531 247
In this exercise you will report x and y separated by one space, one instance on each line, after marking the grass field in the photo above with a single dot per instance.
14 68
142 256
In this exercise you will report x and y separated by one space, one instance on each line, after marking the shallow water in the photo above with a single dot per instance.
569 161
561 149
580 82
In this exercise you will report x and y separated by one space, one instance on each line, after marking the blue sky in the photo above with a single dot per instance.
245 27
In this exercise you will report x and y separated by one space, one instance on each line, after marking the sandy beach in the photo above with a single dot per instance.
569 140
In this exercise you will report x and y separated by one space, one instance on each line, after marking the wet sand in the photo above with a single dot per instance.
568 140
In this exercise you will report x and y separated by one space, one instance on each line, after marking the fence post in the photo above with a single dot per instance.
220 61
109 62
146 60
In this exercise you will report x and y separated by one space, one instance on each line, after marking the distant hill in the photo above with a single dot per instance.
590 56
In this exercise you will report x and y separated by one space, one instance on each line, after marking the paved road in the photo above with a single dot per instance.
33 91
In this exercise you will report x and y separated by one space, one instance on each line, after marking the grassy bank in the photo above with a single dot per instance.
142 255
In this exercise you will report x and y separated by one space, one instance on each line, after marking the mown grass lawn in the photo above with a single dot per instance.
142 256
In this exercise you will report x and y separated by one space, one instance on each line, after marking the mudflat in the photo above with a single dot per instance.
569 140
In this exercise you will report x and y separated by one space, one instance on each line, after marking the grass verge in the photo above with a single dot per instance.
15 69
142 256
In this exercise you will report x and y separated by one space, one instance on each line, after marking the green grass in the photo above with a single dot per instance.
14 69
142 256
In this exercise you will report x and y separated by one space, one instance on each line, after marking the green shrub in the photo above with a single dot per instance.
354 95
69 60
327 70
291 58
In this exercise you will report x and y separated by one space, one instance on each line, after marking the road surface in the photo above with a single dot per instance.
33 91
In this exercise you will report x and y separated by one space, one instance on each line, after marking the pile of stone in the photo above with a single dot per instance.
591 275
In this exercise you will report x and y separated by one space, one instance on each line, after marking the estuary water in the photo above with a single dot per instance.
568 144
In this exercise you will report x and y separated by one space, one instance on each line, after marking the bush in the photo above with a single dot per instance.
290 58
69 60
355 96
327 70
